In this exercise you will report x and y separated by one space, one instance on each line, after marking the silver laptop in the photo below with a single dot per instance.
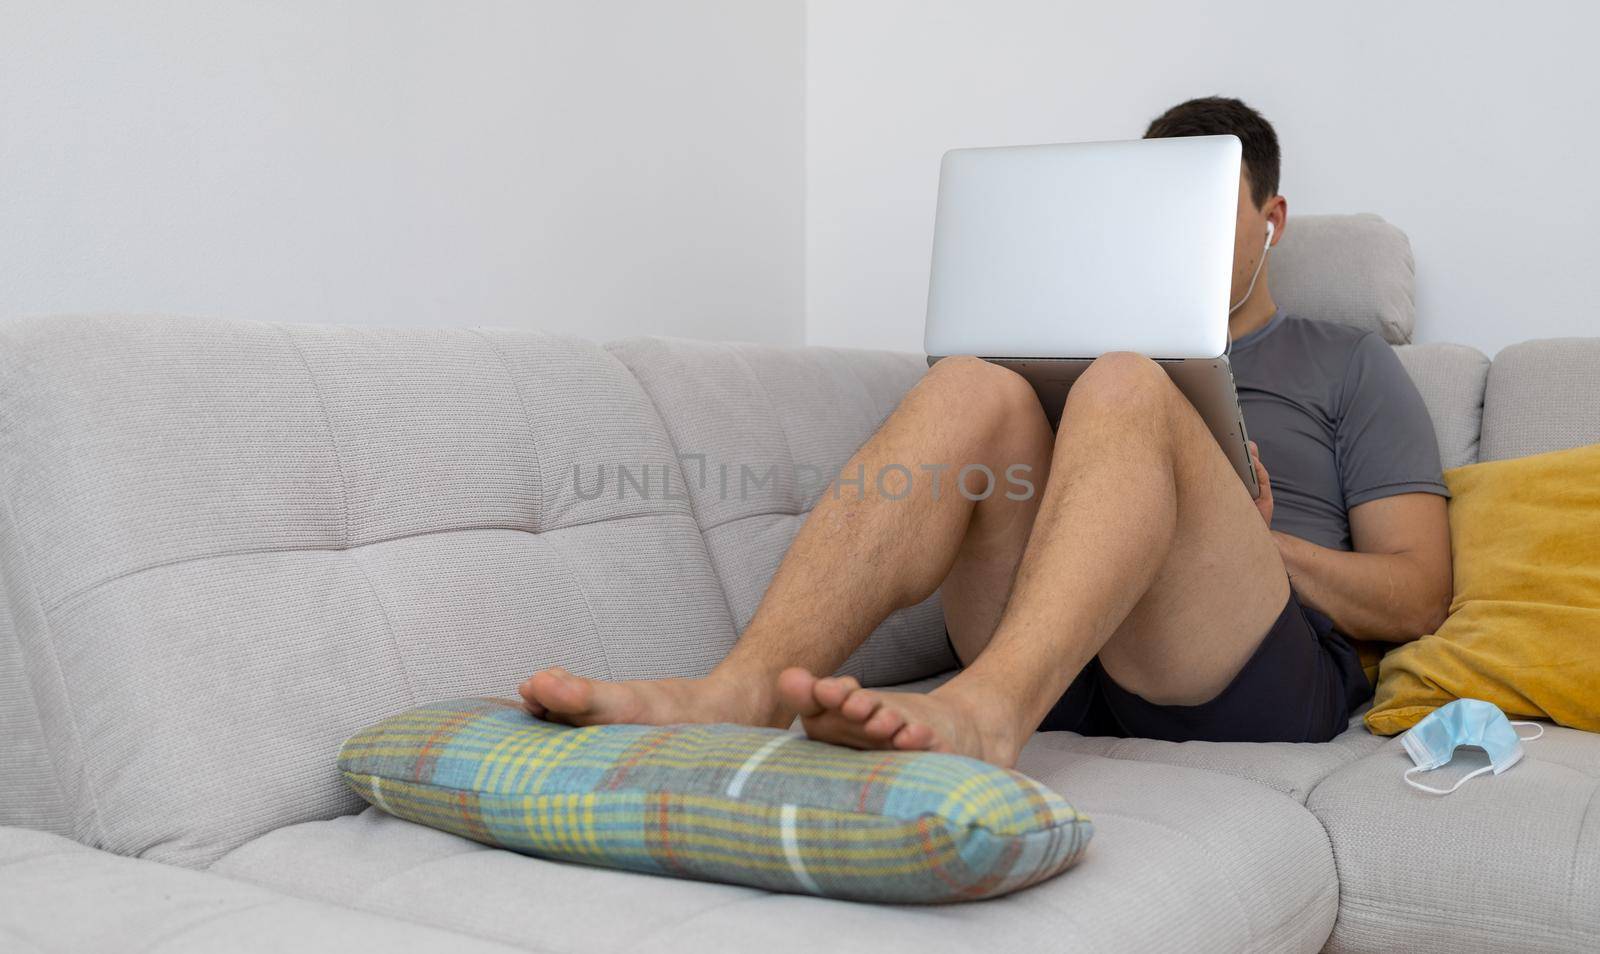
1046 257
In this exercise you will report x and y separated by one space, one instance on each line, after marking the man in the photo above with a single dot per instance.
1142 591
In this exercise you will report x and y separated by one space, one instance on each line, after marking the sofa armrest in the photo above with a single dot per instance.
61 896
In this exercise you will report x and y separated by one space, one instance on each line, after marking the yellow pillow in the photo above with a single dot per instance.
1524 627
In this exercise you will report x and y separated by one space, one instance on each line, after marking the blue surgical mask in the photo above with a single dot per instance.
1433 741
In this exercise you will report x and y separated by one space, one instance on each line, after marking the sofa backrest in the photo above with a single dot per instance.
227 545
1537 396
738 413
1542 396
1353 269
1451 379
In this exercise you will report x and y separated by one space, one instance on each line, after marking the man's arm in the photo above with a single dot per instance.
1395 586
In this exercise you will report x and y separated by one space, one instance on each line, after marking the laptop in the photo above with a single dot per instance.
1046 257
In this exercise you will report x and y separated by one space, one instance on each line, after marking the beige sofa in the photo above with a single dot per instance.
225 546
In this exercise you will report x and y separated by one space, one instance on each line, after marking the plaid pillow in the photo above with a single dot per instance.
740 804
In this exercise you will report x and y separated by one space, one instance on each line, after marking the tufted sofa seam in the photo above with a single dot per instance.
371 893
544 505
751 516
75 597
1454 920
1116 752
788 443
344 496
588 607
96 815
658 934
354 556
694 511
39 855
1572 869
182 929
876 422
1119 750
327 421
1271 943
369 902
527 421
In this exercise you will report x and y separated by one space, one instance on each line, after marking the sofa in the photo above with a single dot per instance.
226 546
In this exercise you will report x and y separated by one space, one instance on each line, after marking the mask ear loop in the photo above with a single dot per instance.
1442 791
1487 768
1529 738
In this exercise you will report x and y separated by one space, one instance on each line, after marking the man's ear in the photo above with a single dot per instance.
1277 212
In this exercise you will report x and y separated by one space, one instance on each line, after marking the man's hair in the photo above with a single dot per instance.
1217 116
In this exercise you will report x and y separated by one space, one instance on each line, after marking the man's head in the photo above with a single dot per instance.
1259 201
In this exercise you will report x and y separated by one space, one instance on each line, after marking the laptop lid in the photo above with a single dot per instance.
1075 249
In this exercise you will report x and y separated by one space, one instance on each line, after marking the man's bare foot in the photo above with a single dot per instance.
557 695
836 709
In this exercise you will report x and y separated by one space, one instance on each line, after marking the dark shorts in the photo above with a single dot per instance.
1300 685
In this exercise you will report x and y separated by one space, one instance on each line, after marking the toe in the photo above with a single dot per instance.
559 691
914 735
832 691
532 688
532 706
883 724
860 705
796 689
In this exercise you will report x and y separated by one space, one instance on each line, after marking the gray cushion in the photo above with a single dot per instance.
1508 862
798 414
228 545
1182 860
31 795
1542 396
60 896
1353 269
1451 379
1293 768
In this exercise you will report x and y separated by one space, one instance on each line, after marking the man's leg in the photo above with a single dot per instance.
1147 550
862 554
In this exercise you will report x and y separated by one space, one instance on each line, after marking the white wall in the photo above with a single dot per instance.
733 169
1470 125
601 167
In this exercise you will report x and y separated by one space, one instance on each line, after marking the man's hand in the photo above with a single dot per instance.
1263 502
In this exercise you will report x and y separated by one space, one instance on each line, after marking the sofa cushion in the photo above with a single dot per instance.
60 896
1182 860
1293 768
1353 269
31 796
1524 621
228 545
1542 396
732 803
1451 380
761 430
1508 862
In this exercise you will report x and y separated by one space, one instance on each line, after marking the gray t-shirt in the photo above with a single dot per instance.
1337 420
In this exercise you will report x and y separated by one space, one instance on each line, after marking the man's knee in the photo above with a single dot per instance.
983 388
1124 383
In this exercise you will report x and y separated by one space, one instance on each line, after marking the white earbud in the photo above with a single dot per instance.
1257 273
